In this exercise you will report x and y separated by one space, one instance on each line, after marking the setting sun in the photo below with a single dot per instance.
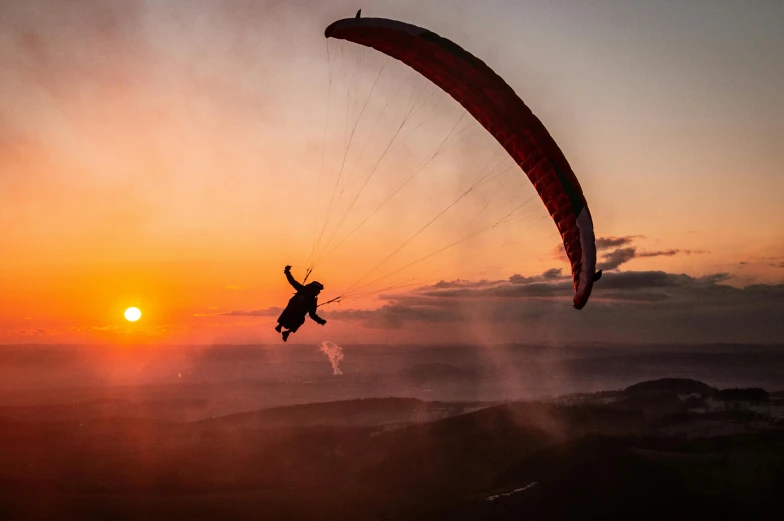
133 314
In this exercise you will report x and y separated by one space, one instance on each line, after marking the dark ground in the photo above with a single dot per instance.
673 449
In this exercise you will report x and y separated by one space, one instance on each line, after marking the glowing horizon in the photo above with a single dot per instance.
148 157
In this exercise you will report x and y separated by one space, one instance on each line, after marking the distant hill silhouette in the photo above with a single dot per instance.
671 385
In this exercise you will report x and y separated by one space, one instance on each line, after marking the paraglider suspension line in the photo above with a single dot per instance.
336 299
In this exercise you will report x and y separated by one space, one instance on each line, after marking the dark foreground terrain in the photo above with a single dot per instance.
669 449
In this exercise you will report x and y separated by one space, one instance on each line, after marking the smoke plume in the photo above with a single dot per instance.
335 354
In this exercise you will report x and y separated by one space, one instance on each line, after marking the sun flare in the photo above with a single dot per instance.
133 314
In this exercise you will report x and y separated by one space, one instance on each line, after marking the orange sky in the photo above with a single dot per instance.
169 156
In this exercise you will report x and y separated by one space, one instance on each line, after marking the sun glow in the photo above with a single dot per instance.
133 314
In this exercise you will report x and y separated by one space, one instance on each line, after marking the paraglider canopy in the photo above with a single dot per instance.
495 105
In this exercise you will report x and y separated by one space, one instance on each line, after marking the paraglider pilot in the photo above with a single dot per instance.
304 302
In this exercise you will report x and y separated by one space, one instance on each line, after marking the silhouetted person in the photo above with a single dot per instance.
304 302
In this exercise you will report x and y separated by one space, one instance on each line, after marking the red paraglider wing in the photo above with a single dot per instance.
489 99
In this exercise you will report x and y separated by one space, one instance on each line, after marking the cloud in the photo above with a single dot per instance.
639 306
552 282
614 286
266 312
669 253
460 283
623 251
662 253
603 243
34 331
101 329
770 261
614 259
553 274
716 278
404 311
